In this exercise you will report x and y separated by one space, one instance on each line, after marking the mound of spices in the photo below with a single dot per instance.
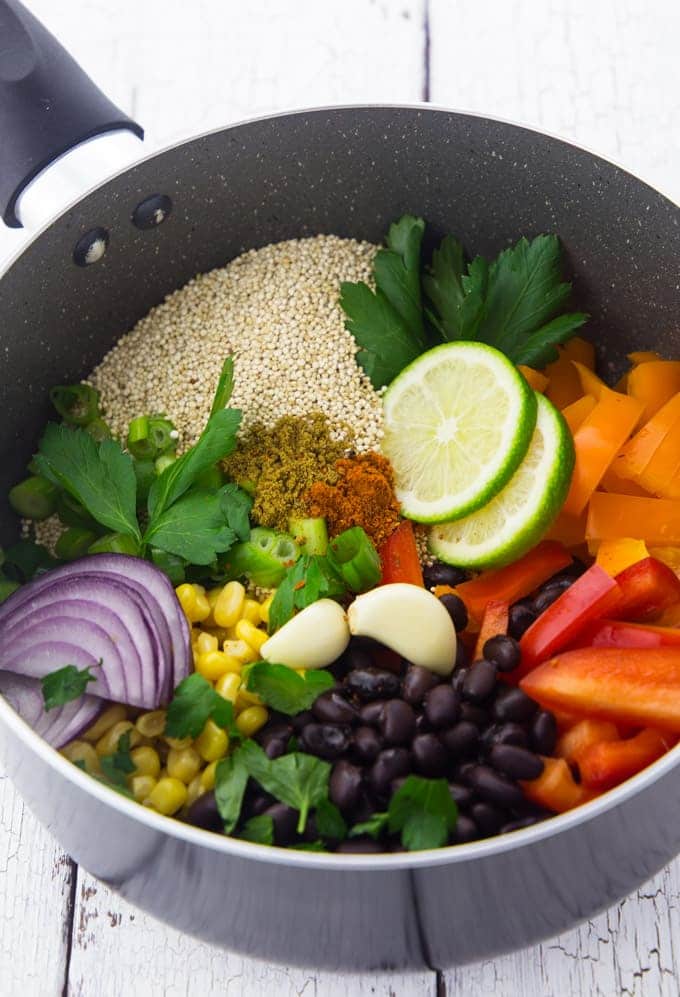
362 495
279 465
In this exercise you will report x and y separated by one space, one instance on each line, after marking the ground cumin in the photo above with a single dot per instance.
363 495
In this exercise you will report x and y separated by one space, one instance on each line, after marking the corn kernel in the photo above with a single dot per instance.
108 743
240 650
83 753
146 761
141 786
206 642
212 596
215 663
151 724
265 607
251 720
194 790
229 606
207 776
167 796
111 715
246 699
183 763
228 686
212 743
178 742
251 611
193 601
245 631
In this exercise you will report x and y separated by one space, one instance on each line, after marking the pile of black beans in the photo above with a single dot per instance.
386 719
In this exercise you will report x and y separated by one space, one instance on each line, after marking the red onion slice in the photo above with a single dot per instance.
57 726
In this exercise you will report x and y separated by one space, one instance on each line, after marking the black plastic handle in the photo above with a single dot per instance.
48 104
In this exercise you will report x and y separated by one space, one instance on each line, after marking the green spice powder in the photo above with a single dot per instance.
279 464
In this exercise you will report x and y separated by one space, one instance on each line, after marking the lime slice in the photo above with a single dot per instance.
458 421
516 519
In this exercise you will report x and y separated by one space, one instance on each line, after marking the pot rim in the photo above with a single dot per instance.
333 862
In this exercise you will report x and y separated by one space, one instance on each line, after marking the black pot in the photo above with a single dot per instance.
349 171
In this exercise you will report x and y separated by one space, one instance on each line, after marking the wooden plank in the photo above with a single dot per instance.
35 902
119 950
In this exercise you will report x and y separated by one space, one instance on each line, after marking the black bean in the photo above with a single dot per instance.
513 704
521 822
462 656
442 706
475 715
480 681
494 788
518 763
332 707
398 722
503 651
466 829
443 574
203 812
257 802
285 822
509 733
458 677
461 740
367 805
370 713
366 745
372 683
277 729
275 747
389 765
548 595
462 772
423 725
543 732
396 846
522 616
416 682
461 794
359 846
487 818
344 786
429 755
357 655
325 740
301 720
455 607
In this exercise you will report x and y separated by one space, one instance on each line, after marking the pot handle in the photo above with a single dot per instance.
48 104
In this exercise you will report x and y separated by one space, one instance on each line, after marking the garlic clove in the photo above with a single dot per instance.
314 638
410 620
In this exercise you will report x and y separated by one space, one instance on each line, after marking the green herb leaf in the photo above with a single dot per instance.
443 285
259 830
298 780
374 826
236 506
310 846
65 684
193 704
98 475
193 527
424 811
284 690
217 441
25 559
231 778
329 822
225 386
311 578
119 765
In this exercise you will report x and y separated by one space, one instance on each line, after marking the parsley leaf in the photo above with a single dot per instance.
25 559
374 826
311 578
298 780
387 323
225 386
193 527
217 440
259 829
231 778
329 822
119 765
193 704
98 475
236 505
284 690
424 811
65 684
310 846
443 285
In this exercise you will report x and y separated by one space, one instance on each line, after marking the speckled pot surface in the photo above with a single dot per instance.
348 171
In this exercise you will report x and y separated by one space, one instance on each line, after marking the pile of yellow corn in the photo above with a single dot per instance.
228 628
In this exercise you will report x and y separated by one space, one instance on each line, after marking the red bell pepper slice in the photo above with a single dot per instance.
637 686
618 633
645 590
495 623
588 598
608 763
516 580
399 557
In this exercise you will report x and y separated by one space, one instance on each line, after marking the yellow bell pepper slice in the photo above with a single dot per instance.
614 556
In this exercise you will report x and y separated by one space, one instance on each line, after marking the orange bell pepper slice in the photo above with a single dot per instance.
654 520
643 356
399 560
564 387
494 623
568 530
644 446
608 763
555 789
615 555
597 442
576 413
534 378
583 735
611 482
639 686
654 383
